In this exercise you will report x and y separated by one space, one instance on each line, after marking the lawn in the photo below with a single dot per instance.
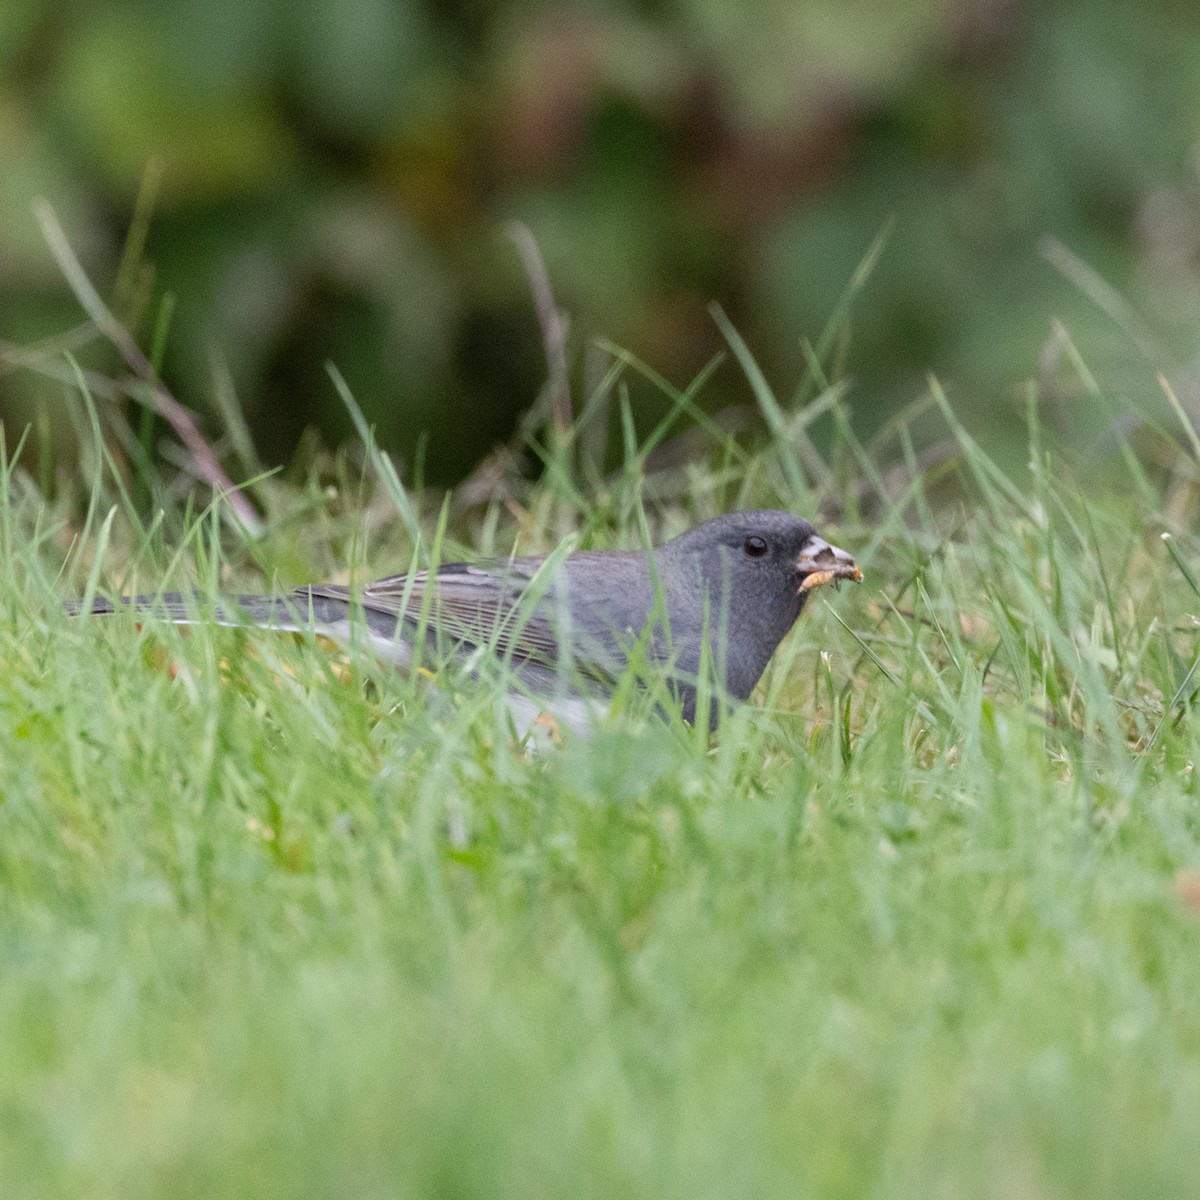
923 920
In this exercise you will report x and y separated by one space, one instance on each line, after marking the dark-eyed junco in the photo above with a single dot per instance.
711 604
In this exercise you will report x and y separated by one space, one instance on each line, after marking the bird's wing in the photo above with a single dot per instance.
484 604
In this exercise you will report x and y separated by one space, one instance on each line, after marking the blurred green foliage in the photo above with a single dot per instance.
335 179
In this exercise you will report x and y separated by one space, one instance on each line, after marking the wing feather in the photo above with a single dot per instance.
475 604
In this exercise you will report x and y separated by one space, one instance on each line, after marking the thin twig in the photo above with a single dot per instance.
70 341
38 359
550 318
205 461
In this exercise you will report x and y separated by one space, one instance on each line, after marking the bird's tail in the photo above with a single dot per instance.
300 612
190 608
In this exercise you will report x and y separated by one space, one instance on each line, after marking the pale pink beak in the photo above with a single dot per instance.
820 563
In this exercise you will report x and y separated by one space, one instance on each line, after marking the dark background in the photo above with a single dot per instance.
336 176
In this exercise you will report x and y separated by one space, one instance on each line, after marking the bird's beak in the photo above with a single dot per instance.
820 563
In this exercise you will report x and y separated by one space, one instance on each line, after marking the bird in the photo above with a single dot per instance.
698 616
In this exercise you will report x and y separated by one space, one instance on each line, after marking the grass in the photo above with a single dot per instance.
922 921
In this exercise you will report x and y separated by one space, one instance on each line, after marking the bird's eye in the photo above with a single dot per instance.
754 546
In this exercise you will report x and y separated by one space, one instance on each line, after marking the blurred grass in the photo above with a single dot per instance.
921 921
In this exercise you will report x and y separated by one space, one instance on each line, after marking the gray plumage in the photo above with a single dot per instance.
713 602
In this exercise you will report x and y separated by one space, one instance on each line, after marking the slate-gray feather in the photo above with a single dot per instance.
722 594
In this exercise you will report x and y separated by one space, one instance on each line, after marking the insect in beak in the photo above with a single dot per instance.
820 563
